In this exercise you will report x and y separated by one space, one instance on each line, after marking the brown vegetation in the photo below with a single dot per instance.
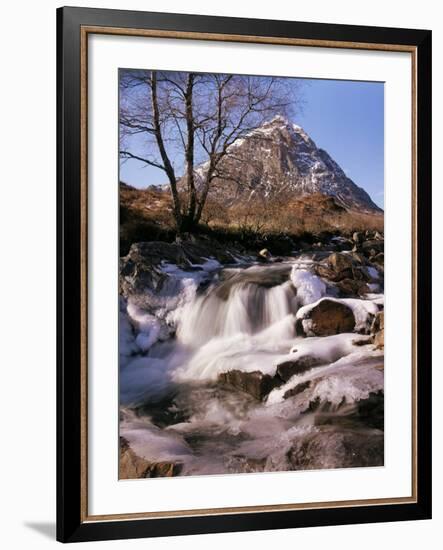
146 215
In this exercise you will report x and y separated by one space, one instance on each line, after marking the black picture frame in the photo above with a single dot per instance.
72 526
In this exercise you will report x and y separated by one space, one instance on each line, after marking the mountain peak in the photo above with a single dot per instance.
279 158
281 124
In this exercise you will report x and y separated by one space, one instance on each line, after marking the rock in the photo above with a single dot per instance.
352 287
303 245
255 383
379 322
239 464
379 340
359 258
287 369
264 253
379 259
326 318
297 389
132 466
338 266
141 268
362 341
340 262
357 237
371 411
347 448
364 413
325 272
378 330
376 246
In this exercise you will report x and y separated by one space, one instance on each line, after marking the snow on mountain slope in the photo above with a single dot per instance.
280 157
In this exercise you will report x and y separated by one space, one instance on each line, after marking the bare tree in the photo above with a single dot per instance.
189 122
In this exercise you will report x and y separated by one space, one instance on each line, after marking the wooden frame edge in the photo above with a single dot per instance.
73 522
85 30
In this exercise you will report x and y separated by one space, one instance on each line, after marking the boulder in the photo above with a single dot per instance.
131 466
357 237
379 259
325 272
255 383
326 318
141 268
352 287
265 254
359 258
373 247
371 411
340 262
287 369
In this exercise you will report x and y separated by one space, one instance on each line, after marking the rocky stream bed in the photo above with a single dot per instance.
233 362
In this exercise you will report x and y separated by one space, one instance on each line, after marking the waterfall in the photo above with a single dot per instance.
176 407
248 302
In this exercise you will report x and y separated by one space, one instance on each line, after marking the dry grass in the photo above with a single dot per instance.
146 215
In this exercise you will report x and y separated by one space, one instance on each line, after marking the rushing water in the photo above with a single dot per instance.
174 407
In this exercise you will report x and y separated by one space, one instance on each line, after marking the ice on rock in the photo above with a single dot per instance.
150 442
310 288
364 311
350 378
148 326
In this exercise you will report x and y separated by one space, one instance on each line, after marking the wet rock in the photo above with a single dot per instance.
141 268
132 466
255 383
287 369
325 272
238 464
352 287
357 237
371 411
362 341
359 258
299 388
265 254
326 318
373 247
379 259
329 448
340 262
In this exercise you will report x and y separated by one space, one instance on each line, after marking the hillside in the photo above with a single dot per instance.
279 159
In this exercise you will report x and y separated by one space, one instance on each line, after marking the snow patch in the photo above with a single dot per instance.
310 288
364 311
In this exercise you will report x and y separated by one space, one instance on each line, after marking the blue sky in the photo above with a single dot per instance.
345 118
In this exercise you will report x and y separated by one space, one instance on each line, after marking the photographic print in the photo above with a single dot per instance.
225 189
251 302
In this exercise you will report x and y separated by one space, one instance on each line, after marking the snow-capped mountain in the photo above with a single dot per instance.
280 158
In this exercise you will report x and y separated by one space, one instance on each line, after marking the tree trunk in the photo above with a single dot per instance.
164 155
189 153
